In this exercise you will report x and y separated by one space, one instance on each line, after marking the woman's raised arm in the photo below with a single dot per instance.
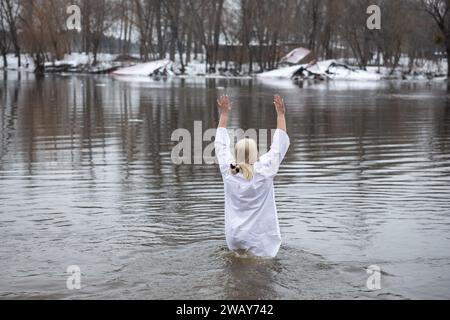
224 109
271 161
281 111
222 143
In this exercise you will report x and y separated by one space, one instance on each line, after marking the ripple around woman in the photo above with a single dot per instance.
251 219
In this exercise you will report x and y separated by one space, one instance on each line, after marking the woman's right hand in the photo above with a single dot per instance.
281 110
224 104
279 105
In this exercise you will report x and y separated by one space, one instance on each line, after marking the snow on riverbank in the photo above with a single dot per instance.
74 62
336 70
327 69
12 62
159 67
422 70
78 59
340 73
283 73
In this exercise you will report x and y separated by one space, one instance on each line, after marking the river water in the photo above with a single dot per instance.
86 179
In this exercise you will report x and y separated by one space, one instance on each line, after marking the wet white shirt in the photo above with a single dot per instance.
251 219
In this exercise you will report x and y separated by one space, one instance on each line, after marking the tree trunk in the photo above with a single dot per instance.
448 59
159 30
196 49
188 47
315 21
173 41
250 59
180 52
217 24
95 52
5 61
39 64
19 61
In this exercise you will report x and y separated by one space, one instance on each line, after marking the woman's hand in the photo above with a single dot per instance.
279 105
281 110
224 104
225 107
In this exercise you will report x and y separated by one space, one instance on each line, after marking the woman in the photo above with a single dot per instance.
251 220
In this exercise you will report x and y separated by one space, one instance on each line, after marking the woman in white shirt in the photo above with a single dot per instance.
251 220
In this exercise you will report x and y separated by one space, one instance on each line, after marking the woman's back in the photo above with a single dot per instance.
251 220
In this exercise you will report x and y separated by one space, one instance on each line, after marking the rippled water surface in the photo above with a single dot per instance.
86 179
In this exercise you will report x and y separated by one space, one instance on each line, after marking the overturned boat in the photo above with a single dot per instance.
150 69
322 70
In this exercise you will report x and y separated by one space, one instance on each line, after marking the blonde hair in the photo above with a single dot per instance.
246 156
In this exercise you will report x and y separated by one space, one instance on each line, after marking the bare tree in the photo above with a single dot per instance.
125 16
248 8
4 39
97 20
218 10
358 37
174 12
331 20
439 10
144 23
253 32
11 12
314 12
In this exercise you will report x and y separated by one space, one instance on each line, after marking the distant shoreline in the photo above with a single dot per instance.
329 70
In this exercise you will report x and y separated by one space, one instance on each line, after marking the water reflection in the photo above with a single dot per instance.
250 278
86 178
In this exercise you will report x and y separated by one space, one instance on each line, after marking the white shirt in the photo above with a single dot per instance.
251 219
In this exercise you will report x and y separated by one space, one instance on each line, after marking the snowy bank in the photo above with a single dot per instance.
129 66
328 69
337 72
12 62
282 73
83 63
73 62
159 67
